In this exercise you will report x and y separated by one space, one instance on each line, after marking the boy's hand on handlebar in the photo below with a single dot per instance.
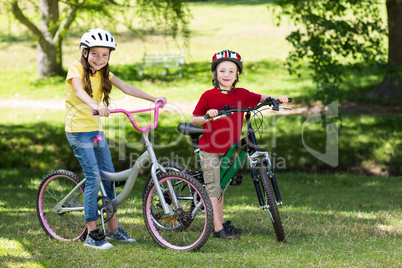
283 99
212 113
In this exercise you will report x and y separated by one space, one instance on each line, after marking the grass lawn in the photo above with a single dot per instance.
329 220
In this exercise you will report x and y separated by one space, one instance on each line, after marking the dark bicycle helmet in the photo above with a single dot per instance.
226 55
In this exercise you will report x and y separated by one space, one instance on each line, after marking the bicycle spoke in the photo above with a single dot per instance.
69 225
189 227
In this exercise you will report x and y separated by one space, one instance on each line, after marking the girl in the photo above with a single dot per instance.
88 80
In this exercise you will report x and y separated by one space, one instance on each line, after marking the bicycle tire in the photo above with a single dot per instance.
168 166
190 227
66 226
271 202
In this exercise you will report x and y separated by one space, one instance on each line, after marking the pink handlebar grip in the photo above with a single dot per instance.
159 104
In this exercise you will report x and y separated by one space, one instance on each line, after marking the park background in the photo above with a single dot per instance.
347 215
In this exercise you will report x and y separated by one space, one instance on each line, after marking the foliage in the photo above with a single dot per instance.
170 17
333 34
55 19
173 15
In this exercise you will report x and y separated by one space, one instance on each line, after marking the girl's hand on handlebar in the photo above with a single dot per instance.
103 111
161 99
283 99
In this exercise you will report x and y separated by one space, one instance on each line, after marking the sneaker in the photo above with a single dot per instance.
101 244
231 228
223 233
120 235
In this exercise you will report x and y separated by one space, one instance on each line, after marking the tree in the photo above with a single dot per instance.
335 33
54 22
391 85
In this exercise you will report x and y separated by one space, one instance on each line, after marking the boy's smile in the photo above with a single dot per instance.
227 75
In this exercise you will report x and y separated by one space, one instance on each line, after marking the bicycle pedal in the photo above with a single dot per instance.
236 180
195 144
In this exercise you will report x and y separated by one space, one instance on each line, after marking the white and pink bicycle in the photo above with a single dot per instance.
176 208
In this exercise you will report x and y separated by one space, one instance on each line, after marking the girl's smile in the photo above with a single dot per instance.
98 57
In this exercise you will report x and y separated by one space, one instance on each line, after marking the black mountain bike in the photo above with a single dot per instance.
262 172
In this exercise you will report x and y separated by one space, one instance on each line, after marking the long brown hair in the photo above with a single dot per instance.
105 82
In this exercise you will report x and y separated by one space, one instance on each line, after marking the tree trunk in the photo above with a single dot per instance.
49 60
390 87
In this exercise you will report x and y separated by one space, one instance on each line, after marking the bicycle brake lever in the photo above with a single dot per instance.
277 108
223 115
206 116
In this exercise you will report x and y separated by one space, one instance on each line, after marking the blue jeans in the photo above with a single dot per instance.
92 151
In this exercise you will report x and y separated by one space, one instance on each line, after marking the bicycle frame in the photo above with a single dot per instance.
130 175
250 149
255 156
260 164
176 208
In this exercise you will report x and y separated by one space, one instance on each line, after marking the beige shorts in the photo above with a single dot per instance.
210 165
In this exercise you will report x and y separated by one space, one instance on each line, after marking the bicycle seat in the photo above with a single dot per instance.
188 129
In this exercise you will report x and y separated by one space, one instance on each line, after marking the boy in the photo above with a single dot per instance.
221 134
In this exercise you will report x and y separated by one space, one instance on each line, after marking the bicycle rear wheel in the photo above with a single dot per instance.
270 202
68 225
191 224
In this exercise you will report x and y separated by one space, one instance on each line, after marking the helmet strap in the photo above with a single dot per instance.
228 91
88 67
235 82
214 81
216 84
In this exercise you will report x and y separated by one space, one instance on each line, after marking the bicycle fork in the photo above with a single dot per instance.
258 158
155 166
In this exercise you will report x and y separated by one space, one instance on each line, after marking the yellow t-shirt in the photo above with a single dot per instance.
79 116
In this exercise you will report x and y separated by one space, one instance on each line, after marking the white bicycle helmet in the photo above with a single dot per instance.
226 55
97 38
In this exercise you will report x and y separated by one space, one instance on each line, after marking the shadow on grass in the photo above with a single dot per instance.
234 2
333 206
367 144
43 147
130 72
331 211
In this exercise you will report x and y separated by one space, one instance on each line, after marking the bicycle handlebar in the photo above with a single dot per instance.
159 104
227 110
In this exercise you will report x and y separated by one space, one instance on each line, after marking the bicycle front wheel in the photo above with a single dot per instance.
190 224
270 202
168 166
60 217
